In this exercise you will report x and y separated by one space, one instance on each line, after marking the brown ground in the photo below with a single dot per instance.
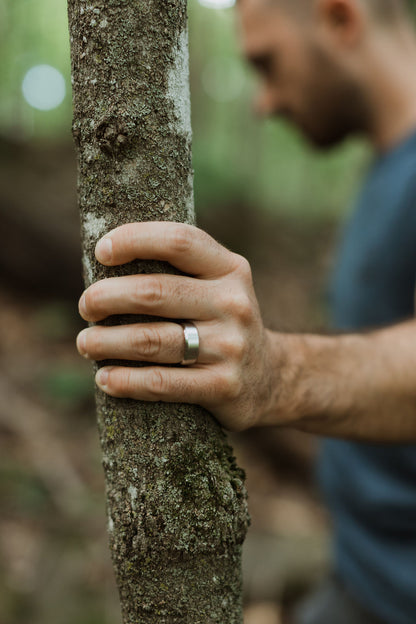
54 562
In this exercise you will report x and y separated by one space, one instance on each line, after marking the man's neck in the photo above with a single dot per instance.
394 95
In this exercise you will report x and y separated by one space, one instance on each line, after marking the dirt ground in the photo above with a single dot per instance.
54 561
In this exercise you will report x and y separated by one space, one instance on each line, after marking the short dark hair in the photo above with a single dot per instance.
389 9
384 9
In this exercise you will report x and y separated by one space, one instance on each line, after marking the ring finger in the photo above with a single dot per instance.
162 343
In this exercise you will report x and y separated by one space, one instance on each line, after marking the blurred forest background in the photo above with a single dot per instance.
260 191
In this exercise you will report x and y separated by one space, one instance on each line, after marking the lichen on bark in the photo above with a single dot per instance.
177 510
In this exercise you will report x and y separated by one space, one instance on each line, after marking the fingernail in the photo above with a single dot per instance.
104 249
82 307
101 378
82 343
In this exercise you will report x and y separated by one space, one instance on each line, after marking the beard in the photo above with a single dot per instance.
334 104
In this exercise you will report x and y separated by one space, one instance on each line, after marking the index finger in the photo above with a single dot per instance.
185 247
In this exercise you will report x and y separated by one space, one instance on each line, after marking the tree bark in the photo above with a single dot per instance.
176 500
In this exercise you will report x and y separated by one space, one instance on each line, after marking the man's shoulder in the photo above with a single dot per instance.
398 165
391 182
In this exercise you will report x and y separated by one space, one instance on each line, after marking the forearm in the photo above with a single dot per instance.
359 386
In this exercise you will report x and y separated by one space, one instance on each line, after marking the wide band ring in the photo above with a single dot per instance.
191 352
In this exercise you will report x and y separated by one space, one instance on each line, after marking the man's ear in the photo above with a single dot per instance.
342 19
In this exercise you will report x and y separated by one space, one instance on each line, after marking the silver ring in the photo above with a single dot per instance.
190 333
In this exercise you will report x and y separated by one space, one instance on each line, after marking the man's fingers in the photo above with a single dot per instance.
155 383
186 247
163 295
161 343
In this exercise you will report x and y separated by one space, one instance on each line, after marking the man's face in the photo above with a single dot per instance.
300 79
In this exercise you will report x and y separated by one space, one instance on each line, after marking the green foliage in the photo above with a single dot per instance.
32 32
237 158
56 320
21 491
67 386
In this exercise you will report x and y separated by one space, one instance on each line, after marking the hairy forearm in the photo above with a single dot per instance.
358 386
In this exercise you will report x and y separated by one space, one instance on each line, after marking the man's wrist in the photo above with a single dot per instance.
305 374
285 367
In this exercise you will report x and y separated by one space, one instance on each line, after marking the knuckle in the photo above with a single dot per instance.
239 306
149 291
156 382
234 346
242 267
181 238
146 342
244 309
230 386
121 381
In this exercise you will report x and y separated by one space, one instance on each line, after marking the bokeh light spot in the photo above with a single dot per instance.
217 4
43 87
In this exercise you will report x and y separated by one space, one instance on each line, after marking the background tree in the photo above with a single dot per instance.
176 500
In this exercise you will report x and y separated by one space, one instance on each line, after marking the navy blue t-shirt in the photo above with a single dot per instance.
370 489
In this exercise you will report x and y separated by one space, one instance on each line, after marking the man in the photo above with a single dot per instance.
333 68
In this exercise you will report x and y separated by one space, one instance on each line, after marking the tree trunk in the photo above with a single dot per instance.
177 511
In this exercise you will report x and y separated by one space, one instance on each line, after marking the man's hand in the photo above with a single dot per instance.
233 375
358 386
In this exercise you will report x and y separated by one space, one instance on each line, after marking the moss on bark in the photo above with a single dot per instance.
177 506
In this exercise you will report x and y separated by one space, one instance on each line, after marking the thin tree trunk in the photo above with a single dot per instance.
177 510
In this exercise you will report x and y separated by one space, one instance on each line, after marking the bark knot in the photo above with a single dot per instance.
111 136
